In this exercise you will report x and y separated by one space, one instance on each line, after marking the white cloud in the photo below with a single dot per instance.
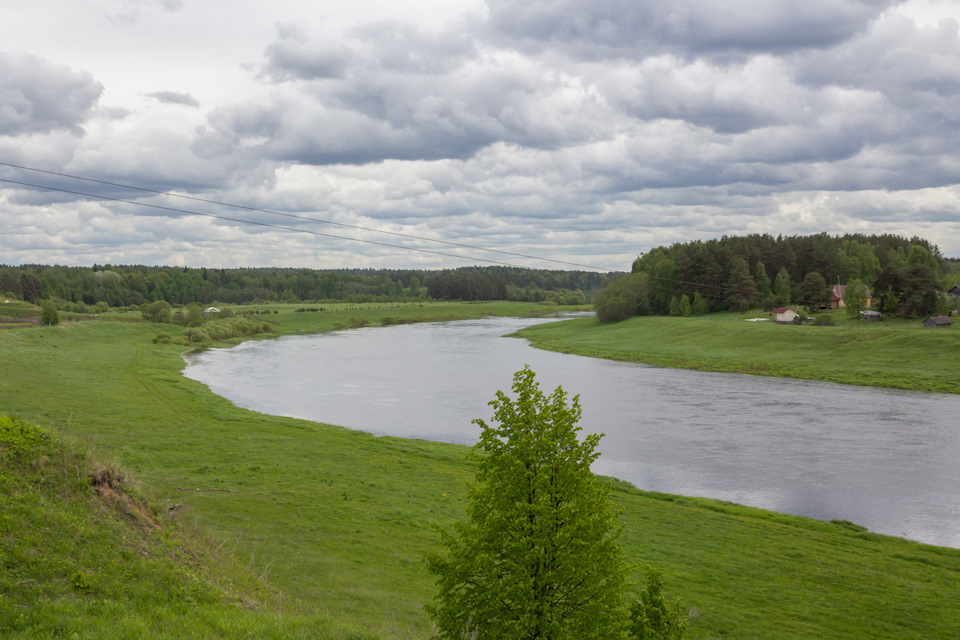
582 131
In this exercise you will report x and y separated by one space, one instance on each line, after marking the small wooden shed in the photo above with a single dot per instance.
937 322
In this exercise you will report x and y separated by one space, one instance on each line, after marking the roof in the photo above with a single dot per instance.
870 314
938 320
783 310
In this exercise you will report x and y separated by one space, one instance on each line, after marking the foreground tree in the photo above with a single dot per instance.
539 555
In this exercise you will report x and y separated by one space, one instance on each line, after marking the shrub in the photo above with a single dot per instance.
18 438
162 338
48 313
196 334
651 618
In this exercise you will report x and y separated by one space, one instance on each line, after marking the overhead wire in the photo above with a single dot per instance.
252 222
288 215
702 288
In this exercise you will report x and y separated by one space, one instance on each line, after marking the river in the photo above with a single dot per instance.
885 459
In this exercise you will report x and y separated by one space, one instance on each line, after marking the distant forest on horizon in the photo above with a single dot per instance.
128 285
714 269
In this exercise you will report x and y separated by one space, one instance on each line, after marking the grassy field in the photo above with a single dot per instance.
335 522
896 354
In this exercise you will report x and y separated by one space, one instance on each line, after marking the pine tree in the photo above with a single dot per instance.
539 554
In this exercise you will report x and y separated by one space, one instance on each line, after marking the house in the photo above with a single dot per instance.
839 291
836 297
211 311
869 316
785 315
937 322
954 292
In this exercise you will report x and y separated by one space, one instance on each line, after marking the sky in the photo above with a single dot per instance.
559 134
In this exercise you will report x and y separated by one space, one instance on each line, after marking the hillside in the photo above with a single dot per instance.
86 555
337 521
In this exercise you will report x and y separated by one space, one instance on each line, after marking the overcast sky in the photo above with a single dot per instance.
577 131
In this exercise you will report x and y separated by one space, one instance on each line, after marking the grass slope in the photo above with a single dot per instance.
85 555
338 520
894 354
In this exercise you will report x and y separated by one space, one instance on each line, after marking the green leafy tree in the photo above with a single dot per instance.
685 308
622 298
781 288
158 311
194 315
922 275
674 306
741 288
700 306
762 281
539 555
651 618
814 291
855 297
48 313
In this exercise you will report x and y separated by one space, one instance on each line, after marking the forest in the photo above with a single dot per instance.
899 276
122 286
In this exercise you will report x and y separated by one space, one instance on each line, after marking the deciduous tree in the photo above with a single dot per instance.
539 554
48 313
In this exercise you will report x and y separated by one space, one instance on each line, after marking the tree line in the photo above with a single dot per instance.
905 277
126 285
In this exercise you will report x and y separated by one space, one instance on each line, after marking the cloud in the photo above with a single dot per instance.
584 130
173 97
39 96
295 56
688 28
128 12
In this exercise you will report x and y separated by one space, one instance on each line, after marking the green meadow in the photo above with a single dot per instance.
898 354
225 523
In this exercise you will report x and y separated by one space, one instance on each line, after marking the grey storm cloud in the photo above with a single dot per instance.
688 27
39 96
296 56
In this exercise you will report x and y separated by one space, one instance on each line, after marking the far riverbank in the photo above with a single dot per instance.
893 354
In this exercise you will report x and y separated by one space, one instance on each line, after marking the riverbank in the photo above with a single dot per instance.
892 354
338 520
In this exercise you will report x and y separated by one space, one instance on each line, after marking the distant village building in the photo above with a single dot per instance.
954 292
937 322
838 292
869 316
785 315
211 311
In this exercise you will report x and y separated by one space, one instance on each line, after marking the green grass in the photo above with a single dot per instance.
336 521
895 354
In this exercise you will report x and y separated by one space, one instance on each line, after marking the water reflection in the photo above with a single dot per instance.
884 459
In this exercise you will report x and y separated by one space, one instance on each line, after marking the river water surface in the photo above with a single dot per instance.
888 460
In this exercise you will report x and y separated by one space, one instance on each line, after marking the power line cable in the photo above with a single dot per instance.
299 217
721 295
259 224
